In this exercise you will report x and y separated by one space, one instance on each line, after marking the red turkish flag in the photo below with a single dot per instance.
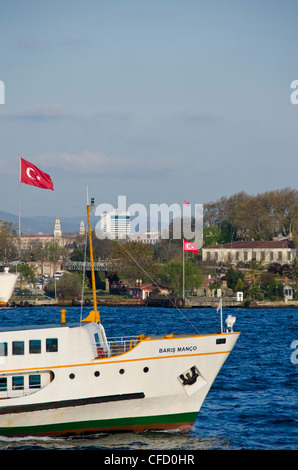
32 175
190 246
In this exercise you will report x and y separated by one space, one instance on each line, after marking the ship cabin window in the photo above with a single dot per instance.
52 344
3 384
18 348
3 349
34 381
18 382
96 337
34 346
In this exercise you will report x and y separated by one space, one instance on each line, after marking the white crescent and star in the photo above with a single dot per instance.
30 176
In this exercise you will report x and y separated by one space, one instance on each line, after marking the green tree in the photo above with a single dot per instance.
292 272
218 234
211 235
78 254
68 286
252 290
134 260
26 273
171 275
232 277
239 285
101 248
275 290
272 289
8 249
260 217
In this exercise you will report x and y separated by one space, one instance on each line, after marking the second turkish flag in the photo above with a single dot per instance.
190 246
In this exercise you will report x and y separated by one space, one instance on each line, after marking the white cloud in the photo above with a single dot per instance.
43 112
35 43
202 169
96 163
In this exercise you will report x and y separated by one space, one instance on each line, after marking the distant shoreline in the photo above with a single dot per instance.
211 302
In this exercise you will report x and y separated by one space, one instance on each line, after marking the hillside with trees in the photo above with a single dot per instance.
238 217
246 217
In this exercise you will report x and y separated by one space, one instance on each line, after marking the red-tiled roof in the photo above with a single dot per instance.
143 287
255 244
36 235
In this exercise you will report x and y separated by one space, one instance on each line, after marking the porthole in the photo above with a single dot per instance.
221 341
97 373
146 369
71 376
121 371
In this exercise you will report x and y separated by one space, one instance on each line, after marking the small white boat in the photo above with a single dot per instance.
70 379
7 285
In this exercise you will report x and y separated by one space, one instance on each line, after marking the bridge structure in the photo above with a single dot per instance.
86 266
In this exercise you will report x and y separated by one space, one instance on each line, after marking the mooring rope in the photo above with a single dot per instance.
153 282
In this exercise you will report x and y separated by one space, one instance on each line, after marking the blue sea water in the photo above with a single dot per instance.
252 404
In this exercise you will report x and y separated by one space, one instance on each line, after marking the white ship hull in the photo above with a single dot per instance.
7 285
160 383
69 379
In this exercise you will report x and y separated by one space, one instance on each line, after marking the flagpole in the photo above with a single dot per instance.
19 207
183 292
221 328
219 307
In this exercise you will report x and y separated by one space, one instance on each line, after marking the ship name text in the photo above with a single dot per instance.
179 349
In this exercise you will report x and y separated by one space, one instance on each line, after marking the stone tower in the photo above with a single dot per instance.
82 228
57 229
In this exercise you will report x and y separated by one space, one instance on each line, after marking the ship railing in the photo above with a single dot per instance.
17 392
117 345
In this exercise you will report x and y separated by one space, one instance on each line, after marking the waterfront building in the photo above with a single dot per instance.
148 238
143 291
244 252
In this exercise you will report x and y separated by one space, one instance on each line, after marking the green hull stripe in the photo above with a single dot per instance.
160 421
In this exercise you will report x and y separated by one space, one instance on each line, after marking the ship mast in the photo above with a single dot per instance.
94 315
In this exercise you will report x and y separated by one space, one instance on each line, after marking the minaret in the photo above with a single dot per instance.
82 228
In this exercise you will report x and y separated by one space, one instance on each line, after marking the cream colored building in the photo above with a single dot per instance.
267 252
45 268
40 240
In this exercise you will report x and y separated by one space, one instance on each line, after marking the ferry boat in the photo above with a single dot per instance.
69 379
7 285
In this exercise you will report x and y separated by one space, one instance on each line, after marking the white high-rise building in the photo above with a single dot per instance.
115 224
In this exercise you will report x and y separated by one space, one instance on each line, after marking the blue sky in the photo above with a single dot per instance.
161 101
